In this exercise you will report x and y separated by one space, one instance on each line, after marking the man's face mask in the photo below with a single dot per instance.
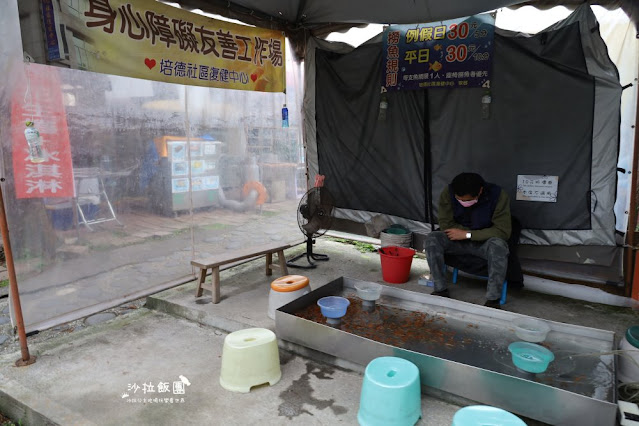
468 203
471 202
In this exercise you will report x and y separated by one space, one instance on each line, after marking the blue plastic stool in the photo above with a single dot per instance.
504 287
483 415
391 393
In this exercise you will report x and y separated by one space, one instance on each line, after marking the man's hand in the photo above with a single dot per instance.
455 234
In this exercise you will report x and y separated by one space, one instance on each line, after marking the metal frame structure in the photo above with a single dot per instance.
521 394
80 174
26 358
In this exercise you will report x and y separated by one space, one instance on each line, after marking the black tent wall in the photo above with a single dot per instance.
541 124
372 165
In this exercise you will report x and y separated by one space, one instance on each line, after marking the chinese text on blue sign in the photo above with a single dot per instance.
454 53
50 30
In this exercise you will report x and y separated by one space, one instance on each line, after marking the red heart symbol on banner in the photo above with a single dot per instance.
254 77
149 63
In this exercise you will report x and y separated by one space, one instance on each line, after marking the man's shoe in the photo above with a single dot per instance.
493 304
441 293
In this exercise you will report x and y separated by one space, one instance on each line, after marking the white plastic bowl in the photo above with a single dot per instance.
531 330
368 291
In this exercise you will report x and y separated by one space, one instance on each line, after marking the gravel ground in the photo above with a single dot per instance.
4 421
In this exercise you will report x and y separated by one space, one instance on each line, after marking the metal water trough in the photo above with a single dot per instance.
467 354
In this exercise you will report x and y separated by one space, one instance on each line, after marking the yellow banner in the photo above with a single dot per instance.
148 39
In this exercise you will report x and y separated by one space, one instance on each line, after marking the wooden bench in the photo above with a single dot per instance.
214 263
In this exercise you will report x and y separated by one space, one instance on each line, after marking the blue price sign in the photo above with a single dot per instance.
454 53
50 30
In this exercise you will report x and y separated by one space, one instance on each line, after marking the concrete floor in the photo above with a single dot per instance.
80 377
145 252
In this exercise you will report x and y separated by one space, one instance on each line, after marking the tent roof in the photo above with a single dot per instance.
291 14
301 18
306 12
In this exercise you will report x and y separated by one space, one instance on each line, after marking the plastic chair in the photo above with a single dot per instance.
391 393
250 357
480 415
504 287
90 190
284 290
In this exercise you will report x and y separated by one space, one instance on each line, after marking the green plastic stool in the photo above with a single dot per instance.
485 415
391 393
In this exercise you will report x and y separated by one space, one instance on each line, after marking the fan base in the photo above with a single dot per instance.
315 256
310 256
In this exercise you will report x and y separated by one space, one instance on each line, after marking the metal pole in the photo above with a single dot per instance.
187 128
632 212
15 296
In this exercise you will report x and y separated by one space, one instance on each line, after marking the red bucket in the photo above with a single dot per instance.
396 262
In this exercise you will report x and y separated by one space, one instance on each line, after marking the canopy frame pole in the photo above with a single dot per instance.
26 359
631 240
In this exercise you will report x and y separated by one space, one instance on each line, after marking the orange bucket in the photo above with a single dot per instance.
396 263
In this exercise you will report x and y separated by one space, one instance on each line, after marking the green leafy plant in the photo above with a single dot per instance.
360 246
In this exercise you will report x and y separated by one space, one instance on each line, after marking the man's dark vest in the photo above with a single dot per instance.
480 215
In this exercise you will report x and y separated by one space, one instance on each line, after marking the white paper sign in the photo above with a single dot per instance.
537 188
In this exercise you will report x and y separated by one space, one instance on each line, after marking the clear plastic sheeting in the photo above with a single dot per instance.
160 174
10 53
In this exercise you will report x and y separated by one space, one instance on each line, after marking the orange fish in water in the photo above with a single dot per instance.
435 66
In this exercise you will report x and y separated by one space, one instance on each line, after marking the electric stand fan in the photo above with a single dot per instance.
314 217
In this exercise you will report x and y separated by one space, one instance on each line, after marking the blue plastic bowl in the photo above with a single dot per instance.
333 306
530 357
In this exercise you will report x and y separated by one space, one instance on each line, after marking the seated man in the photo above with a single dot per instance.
474 219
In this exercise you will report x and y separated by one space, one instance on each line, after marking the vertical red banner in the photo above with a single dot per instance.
37 97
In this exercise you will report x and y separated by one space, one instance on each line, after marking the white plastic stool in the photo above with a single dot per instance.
286 289
250 357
